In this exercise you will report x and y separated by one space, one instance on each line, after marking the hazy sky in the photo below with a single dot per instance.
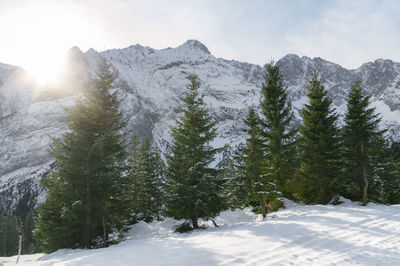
348 32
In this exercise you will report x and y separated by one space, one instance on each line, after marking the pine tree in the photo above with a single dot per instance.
193 187
363 143
58 226
3 234
246 166
237 187
320 147
134 152
391 178
253 164
278 132
385 186
84 201
147 173
29 245
133 184
9 235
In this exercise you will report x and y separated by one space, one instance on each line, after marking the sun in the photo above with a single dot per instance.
45 68
40 34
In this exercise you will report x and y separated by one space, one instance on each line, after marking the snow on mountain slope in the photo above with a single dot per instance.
16 89
150 82
348 234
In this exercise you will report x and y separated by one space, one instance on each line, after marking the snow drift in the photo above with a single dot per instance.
346 234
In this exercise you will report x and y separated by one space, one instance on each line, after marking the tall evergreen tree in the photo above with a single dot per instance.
84 201
391 177
147 173
246 166
133 187
193 187
278 131
385 186
3 235
363 144
253 164
320 147
29 244
13 232
9 235
237 187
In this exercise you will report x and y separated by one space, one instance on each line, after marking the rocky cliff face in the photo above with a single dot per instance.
150 81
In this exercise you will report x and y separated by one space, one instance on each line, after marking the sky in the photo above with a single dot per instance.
36 34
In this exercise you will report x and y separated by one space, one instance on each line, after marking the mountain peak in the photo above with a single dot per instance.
74 51
382 61
91 51
291 57
74 56
195 44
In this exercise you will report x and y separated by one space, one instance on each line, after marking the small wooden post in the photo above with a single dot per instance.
19 247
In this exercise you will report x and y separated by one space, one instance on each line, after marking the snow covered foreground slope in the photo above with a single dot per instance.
347 234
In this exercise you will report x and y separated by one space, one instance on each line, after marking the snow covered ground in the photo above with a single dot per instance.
347 234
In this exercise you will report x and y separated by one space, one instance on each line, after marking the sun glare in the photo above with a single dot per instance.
45 69
41 34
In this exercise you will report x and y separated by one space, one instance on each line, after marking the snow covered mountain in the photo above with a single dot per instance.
150 81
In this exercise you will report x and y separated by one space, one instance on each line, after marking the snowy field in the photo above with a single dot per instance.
347 234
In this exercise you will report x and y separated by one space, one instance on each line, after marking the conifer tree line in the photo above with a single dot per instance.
317 159
11 227
146 174
106 179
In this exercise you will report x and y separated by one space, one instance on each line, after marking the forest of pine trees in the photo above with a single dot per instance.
317 159
9 234
103 181
11 227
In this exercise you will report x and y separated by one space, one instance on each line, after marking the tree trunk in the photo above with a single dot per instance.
88 213
322 196
195 223
5 240
365 191
262 205
19 248
364 176
105 235
104 230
